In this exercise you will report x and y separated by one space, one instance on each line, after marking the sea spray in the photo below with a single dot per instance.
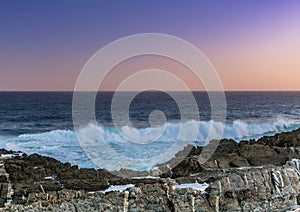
63 144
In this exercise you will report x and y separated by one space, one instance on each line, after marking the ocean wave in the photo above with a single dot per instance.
64 145
240 130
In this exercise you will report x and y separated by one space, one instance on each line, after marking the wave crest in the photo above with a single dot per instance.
63 144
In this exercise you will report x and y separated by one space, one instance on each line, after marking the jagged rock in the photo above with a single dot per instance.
225 147
256 150
242 177
188 166
257 155
285 139
232 160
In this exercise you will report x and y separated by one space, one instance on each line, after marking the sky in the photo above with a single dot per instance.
253 45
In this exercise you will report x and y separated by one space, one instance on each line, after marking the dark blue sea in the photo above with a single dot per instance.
41 122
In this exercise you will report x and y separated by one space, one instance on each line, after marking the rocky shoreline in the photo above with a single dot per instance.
251 175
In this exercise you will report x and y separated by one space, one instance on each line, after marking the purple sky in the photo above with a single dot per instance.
254 45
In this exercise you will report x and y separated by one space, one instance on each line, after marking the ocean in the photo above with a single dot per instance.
41 122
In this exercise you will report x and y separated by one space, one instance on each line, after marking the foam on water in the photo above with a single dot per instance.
63 144
60 144
119 188
196 186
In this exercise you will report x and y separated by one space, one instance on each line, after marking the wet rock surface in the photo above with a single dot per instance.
251 175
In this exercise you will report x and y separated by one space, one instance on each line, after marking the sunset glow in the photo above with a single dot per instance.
253 45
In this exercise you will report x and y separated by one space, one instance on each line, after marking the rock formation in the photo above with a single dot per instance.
251 175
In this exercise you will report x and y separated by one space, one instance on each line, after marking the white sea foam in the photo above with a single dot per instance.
119 188
63 144
145 177
249 167
196 186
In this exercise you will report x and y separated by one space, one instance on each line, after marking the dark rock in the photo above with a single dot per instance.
251 175
231 160
2 202
187 167
285 139
256 150
225 147
3 178
4 151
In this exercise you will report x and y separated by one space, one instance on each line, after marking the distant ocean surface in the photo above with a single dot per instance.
41 122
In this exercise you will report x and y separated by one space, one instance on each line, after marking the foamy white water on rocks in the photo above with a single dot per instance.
42 123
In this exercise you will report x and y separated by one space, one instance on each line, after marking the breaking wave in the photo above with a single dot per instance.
63 144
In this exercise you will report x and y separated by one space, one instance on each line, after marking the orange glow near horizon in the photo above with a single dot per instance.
253 45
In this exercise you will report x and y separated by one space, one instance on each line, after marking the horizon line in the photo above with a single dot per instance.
152 91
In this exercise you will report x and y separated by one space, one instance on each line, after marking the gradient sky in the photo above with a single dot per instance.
253 45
